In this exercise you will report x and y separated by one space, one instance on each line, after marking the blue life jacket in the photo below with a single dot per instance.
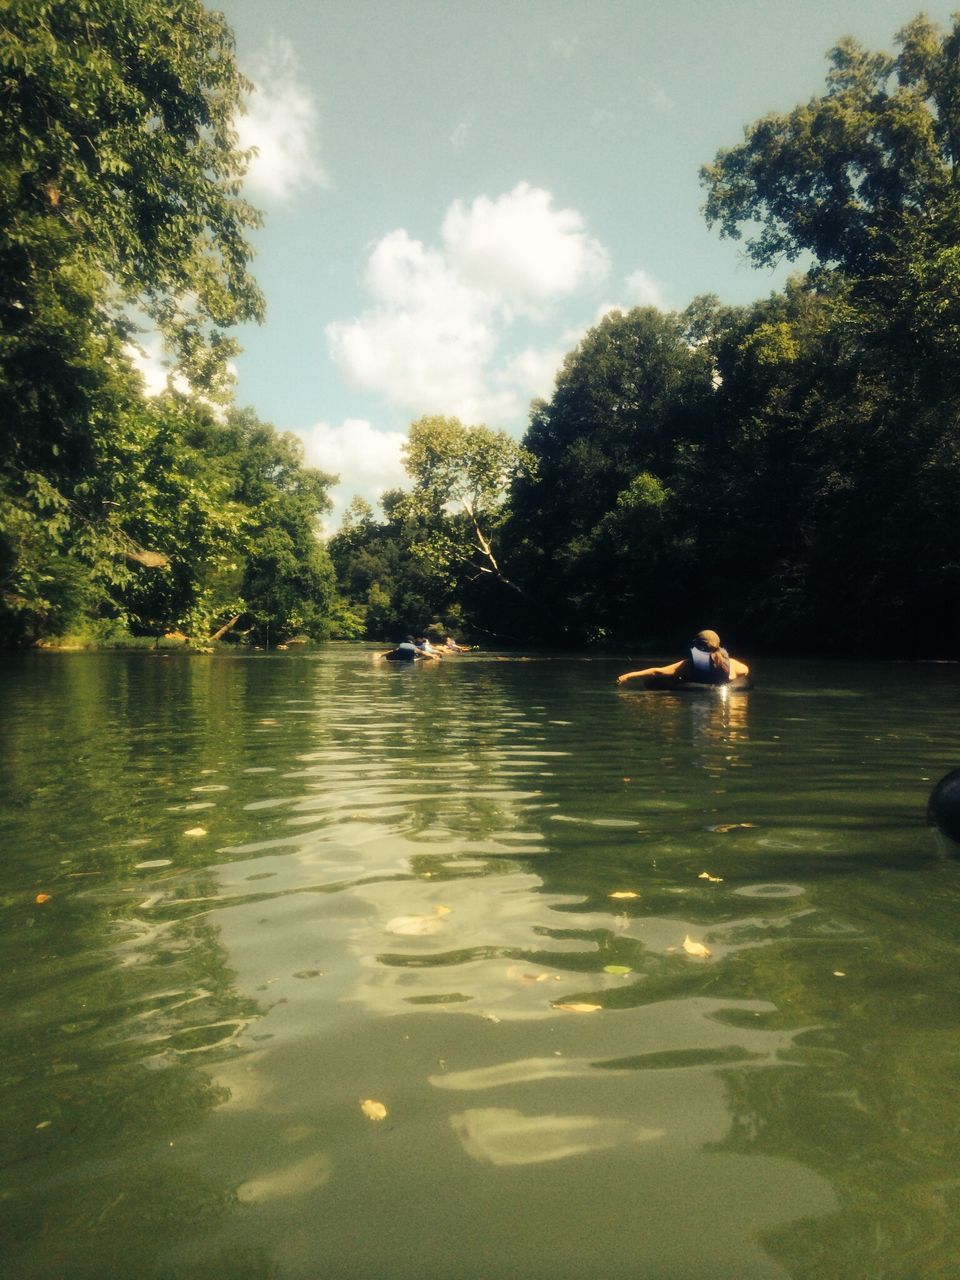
703 670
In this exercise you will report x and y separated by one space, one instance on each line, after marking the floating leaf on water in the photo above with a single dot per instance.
44 1124
516 973
441 910
195 831
839 973
42 897
617 968
157 862
373 1110
490 1017
577 1006
694 948
705 875
730 826
624 893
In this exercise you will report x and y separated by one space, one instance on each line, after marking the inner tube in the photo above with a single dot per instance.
676 684
943 807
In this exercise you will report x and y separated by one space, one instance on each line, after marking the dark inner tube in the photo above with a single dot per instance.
943 809
675 684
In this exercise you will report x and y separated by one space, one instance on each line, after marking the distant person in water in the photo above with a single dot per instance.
707 663
406 651
452 647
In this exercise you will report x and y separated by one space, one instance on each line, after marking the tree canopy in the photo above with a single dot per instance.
121 202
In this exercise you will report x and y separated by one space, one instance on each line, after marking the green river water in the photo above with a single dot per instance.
283 885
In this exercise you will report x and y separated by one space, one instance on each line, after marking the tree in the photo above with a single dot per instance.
119 154
633 395
866 178
120 198
461 477
393 590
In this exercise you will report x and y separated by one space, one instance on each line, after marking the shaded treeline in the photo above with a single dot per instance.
785 471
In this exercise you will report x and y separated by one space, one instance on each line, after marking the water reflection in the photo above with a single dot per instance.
497 1135
478 895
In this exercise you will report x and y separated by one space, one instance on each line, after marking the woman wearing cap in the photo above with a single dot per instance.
707 663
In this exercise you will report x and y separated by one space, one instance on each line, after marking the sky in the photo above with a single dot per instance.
455 192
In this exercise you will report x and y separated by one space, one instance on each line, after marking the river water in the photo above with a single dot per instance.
486 970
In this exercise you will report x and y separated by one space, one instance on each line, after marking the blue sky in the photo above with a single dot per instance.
455 192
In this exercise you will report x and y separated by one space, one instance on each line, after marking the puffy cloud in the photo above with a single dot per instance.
367 460
432 337
147 357
426 341
643 290
281 122
533 370
522 248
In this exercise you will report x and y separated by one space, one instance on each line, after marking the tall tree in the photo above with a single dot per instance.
118 152
590 518
461 478
866 178
120 198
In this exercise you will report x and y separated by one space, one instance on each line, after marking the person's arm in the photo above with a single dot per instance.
672 670
738 668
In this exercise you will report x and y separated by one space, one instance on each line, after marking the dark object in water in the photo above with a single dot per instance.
943 808
674 684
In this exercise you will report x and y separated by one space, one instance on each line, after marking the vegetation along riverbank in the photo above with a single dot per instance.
787 469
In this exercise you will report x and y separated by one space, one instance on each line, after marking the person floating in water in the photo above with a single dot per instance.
407 651
707 663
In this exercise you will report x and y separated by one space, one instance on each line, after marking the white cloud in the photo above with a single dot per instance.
281 122
367 460
147 357
523 248
432 338
643 290
640 289
533 370
427 339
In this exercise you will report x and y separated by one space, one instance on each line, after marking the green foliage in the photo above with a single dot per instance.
627 401
120 196
118 159
390 587
461 477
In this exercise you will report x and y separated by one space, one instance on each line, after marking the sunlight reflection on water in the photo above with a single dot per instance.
572 940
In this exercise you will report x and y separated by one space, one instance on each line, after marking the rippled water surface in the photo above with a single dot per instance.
648 986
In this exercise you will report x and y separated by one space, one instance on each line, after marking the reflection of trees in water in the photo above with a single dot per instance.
452 760
115 998
868 1096
118 1007
104 1057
